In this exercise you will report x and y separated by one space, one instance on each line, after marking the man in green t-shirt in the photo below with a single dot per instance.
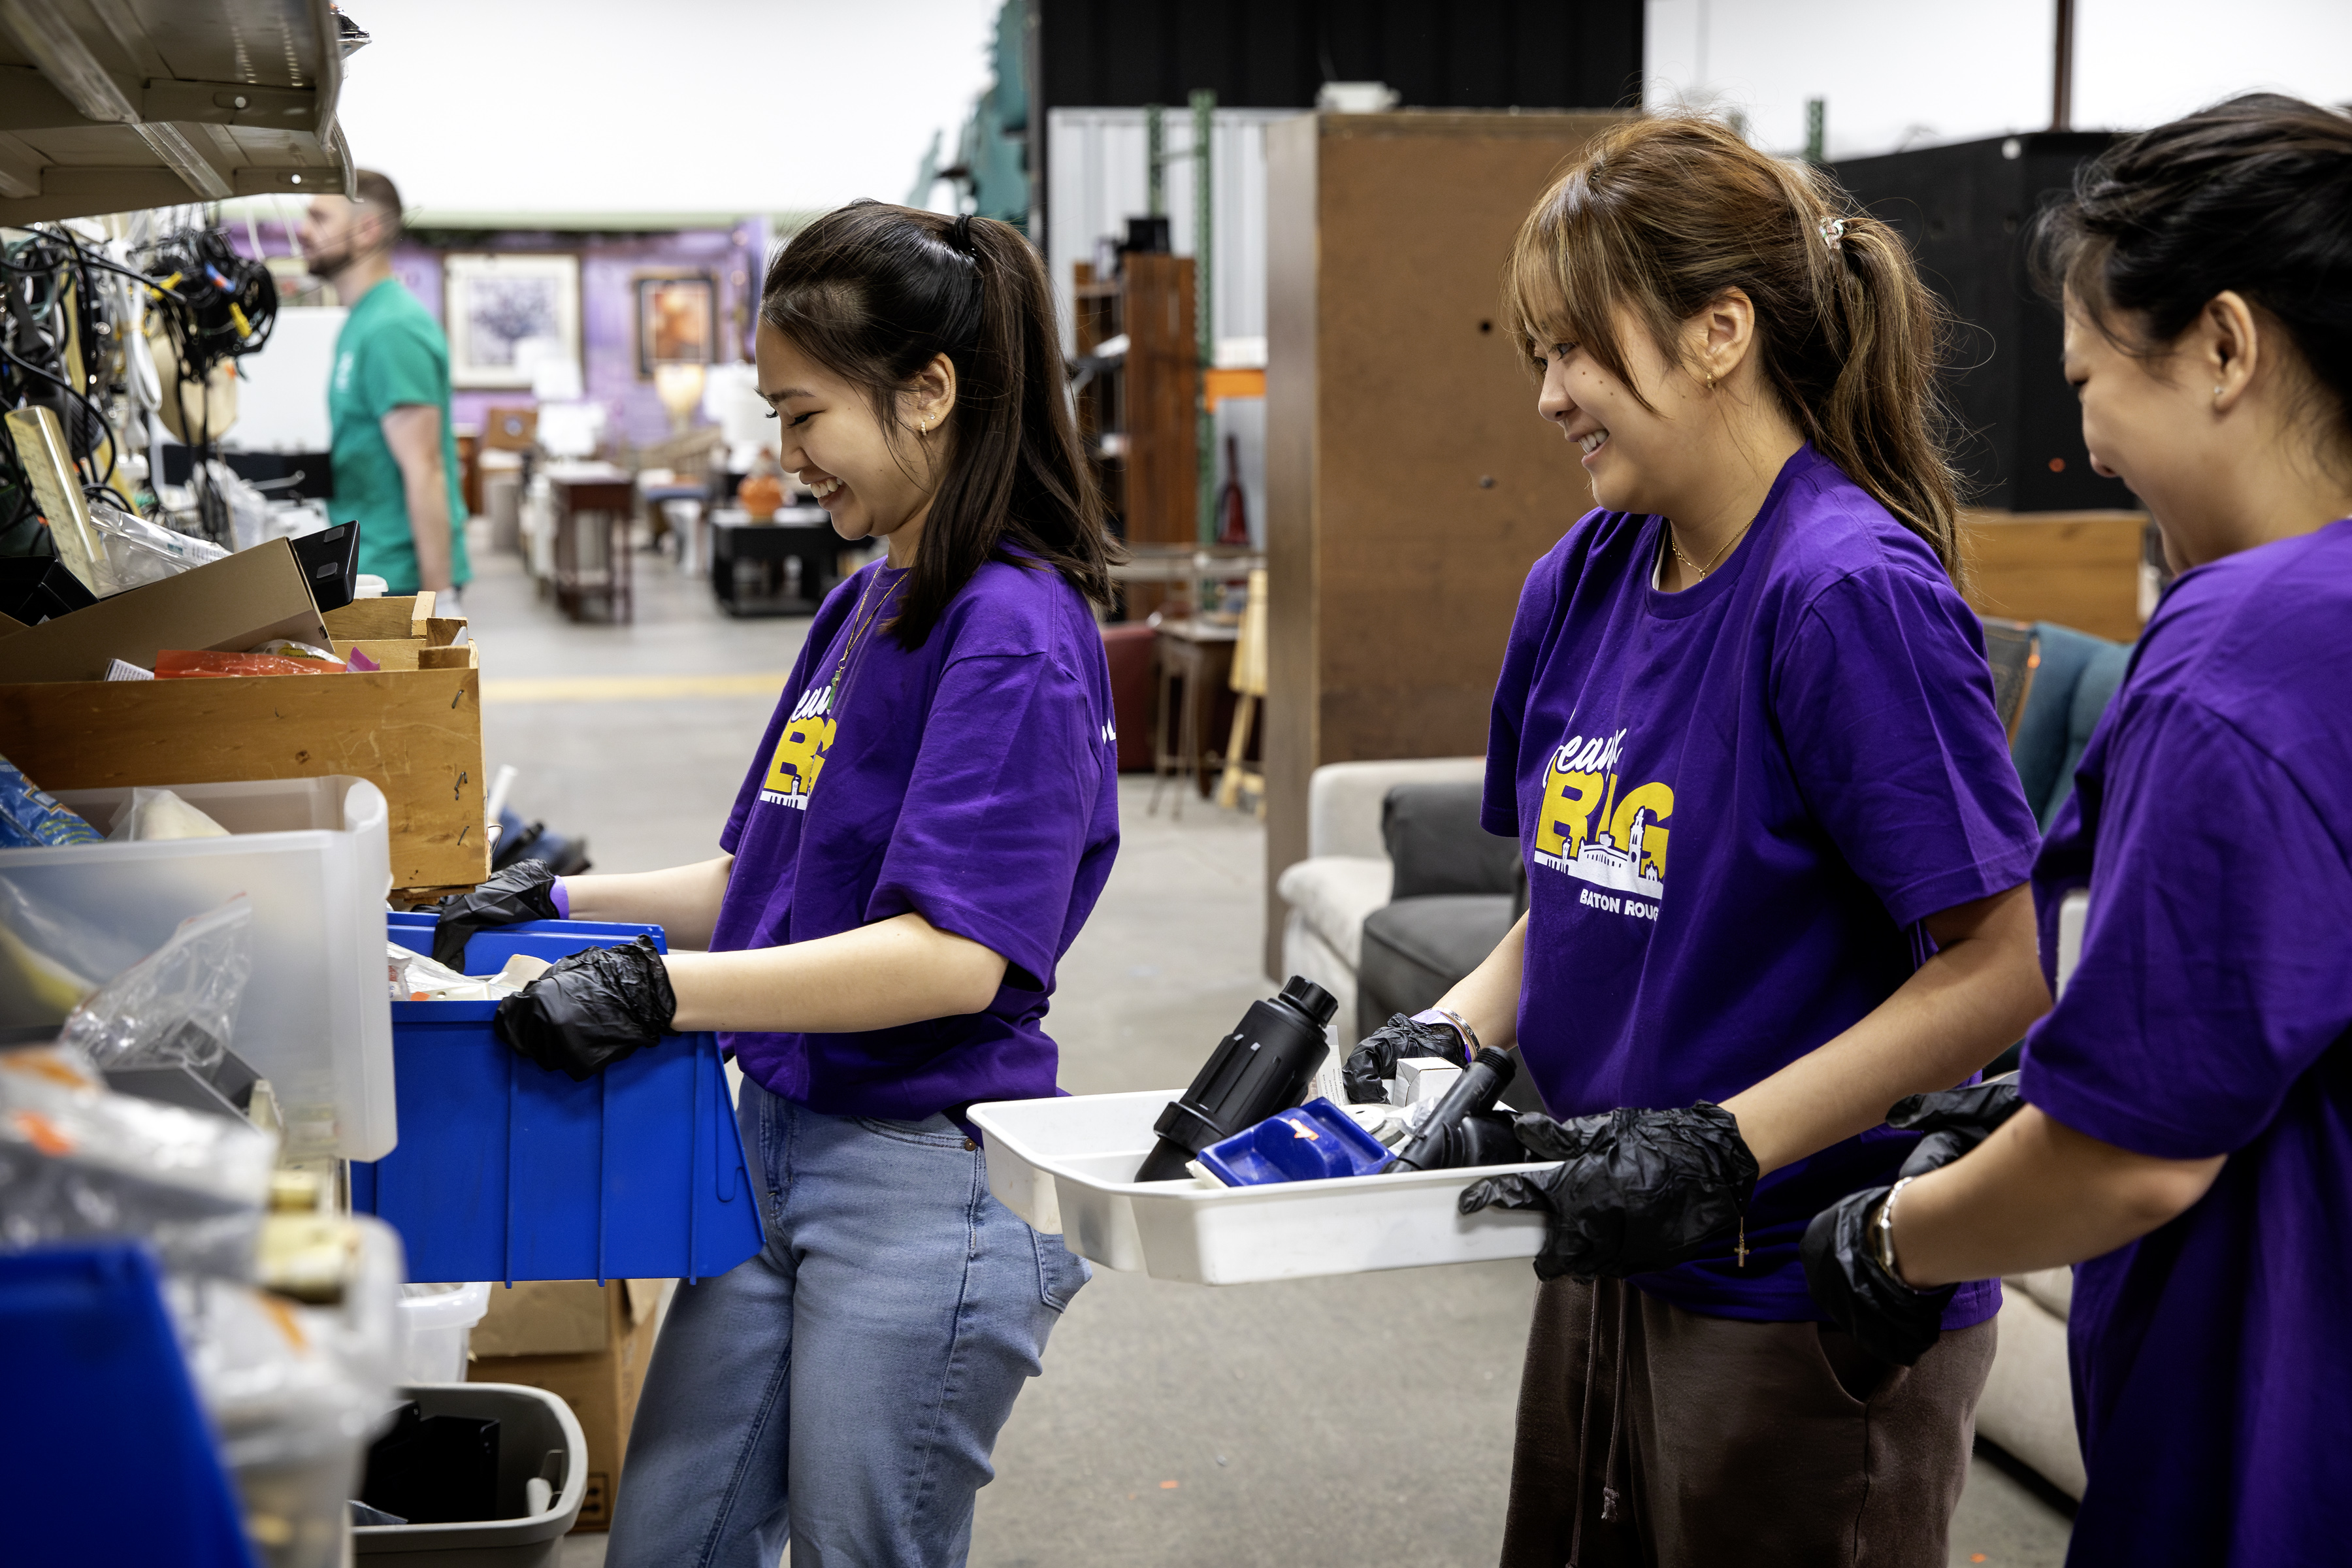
396 456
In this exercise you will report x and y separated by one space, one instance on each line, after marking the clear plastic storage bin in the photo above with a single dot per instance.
1067 1165
439 1321
313 854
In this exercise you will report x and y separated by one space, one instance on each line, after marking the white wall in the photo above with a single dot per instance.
1926 72
685 106
281 398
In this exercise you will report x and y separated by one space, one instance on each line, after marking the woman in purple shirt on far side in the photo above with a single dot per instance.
1776 860
2185 1131
922 831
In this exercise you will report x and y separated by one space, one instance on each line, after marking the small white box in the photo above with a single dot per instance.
1422 1077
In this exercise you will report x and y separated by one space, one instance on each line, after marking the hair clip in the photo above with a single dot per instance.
1832 230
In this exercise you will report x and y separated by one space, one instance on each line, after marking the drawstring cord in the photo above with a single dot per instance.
1611 1512
1584 1425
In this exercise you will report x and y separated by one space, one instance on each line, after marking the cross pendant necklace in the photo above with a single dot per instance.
1739 1249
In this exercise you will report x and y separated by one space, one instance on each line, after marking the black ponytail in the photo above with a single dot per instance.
873 294
2254 196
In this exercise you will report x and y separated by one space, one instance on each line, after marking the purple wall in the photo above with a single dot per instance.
609 265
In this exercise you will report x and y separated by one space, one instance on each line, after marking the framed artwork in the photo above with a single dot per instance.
678 320
508 314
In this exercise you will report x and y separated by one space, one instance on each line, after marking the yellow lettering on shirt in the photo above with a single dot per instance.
1568 803
1658 800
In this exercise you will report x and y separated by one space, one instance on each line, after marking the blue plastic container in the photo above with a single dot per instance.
505 1170
489 948
1311 1143
108 1455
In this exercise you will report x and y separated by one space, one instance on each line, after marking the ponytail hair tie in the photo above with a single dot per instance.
1832 231
960 233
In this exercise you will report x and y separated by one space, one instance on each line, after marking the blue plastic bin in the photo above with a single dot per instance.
1313 1142
489 948
505 1170
108 1455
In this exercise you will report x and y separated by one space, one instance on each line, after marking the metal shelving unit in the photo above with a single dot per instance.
114 105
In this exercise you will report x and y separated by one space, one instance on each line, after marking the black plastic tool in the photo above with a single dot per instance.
1449 1139
330 565
1260 1069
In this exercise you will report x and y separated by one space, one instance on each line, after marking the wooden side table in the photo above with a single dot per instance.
1198 655
593 509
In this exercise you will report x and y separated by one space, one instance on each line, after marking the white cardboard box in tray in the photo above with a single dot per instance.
1064 1165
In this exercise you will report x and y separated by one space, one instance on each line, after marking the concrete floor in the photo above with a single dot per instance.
1304 1423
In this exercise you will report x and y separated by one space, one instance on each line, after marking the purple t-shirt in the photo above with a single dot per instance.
2211 1013
1814 726
974 782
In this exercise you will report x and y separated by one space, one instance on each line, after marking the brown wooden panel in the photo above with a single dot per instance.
416 735
2079 569
1163 391
1411 484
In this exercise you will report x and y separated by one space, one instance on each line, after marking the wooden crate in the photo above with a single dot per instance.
414 731
2079 569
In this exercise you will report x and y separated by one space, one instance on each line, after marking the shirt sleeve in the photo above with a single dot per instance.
1498 811
998 807
2213 971
407 365
1885 701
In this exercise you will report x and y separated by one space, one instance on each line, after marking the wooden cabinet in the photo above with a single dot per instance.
2080 569
1410 483
1138 407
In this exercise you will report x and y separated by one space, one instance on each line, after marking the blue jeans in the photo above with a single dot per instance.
843 1389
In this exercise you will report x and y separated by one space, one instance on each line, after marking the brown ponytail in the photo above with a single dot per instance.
873 293
1664 215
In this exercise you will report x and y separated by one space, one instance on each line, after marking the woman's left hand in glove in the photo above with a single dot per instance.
591 1009
1634 1191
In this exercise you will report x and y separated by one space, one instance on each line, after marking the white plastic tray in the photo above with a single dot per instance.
1064 1167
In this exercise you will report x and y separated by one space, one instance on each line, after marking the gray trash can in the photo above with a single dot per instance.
538 1438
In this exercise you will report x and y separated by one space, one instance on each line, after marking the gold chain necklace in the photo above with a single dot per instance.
1711 560
857 630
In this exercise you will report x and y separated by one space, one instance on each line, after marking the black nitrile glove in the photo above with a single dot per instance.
1885 1316
1635 1191
1955 1120
591 1009
523 891
1376 1055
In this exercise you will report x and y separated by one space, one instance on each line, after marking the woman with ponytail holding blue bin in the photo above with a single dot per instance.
924 828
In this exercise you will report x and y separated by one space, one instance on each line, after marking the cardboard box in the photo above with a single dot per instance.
414 731
229 605
585 1343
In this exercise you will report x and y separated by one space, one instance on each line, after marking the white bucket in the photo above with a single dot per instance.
439 1319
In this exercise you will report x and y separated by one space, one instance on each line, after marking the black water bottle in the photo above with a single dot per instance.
1261 1070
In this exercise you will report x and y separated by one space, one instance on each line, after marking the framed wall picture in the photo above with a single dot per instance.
507 314
678 320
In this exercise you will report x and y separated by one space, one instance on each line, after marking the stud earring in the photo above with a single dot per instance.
2217 392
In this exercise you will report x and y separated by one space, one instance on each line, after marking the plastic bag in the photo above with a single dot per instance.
51 959
156 813
296 1391
416 978
30 814
139 551
78 1159
175 1006
180 664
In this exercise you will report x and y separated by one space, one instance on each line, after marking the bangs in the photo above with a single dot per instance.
1564 281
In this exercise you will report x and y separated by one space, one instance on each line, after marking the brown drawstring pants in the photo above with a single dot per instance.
1730 1442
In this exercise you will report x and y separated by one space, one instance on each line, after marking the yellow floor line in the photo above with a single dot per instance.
634 688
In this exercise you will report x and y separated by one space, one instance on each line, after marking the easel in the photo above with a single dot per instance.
1249 681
